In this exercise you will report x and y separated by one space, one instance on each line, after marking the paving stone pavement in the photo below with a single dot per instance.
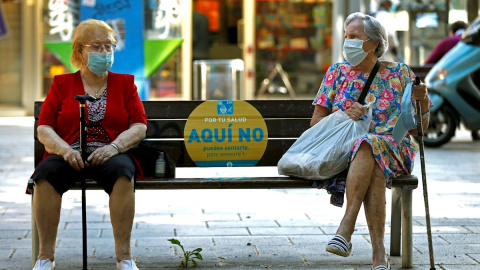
242 229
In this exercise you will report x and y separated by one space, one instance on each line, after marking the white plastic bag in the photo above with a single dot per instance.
323 150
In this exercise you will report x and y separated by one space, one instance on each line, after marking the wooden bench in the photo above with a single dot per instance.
421 71
285 121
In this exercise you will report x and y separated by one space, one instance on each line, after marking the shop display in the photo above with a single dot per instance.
296 35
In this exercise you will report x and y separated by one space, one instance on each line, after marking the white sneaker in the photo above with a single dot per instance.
126 265
44 265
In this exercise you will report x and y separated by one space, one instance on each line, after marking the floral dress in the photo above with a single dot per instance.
342 86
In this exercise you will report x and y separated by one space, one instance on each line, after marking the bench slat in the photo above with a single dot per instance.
179 109
405 180
177 151
170 129
277 182
267 108
421 71
245 183
277 128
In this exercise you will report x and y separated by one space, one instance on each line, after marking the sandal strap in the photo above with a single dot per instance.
383 267
340 242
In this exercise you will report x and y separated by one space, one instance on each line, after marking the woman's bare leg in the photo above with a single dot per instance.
358 181
47 203
122 212
375 208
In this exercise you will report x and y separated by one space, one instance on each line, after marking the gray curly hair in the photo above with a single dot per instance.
373 29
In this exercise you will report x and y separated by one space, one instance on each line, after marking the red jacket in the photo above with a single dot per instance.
61 111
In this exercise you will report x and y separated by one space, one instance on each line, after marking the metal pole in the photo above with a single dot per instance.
424 179
83 144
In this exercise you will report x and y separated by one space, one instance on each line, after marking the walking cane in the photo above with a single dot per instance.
424 179
83 144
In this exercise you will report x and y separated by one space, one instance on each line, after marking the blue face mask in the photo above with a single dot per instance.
353 51
100 62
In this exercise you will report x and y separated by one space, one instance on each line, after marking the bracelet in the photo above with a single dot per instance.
426 115
116 147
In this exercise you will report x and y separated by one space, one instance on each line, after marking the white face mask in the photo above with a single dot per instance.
353 51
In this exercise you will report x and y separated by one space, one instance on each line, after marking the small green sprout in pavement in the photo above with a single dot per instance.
187 255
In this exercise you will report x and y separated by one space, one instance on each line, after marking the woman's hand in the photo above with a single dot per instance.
126 140
101 155
356 111
55 145
419 92
74 159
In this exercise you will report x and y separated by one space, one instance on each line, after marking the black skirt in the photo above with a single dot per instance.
62 176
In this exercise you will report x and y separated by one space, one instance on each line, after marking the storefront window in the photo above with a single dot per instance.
59 21
293 47
163 37
457 11
223 20
424 24
152 56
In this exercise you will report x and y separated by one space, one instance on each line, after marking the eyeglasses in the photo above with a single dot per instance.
100 47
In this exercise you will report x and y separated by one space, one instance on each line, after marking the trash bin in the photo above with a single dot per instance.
217 79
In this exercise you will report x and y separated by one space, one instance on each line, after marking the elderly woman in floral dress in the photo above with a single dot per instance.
376 157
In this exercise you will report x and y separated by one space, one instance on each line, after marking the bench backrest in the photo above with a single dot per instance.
421 71
286 120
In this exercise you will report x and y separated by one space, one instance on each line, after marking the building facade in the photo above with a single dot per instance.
284 46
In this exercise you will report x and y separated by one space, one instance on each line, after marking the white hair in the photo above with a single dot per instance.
373 29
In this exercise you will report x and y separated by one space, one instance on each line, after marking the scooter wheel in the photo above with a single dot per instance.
441 128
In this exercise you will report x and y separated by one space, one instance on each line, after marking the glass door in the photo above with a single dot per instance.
293 40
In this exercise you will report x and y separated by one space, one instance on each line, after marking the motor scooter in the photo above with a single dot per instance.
453 84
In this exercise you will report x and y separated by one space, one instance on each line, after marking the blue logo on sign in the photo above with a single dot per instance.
225 107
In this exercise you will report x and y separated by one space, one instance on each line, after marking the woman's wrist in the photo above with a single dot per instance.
424 109
116 148
425 105
426 114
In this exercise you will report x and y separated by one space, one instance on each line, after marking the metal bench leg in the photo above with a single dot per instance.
396 219
407 237
35 242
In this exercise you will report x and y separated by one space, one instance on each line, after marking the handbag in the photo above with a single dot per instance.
323 151
146 155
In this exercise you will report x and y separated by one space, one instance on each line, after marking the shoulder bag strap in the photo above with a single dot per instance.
361 99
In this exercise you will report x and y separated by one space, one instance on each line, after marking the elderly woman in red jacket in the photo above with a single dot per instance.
116 122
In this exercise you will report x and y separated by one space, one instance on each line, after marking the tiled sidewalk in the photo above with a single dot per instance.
241 229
